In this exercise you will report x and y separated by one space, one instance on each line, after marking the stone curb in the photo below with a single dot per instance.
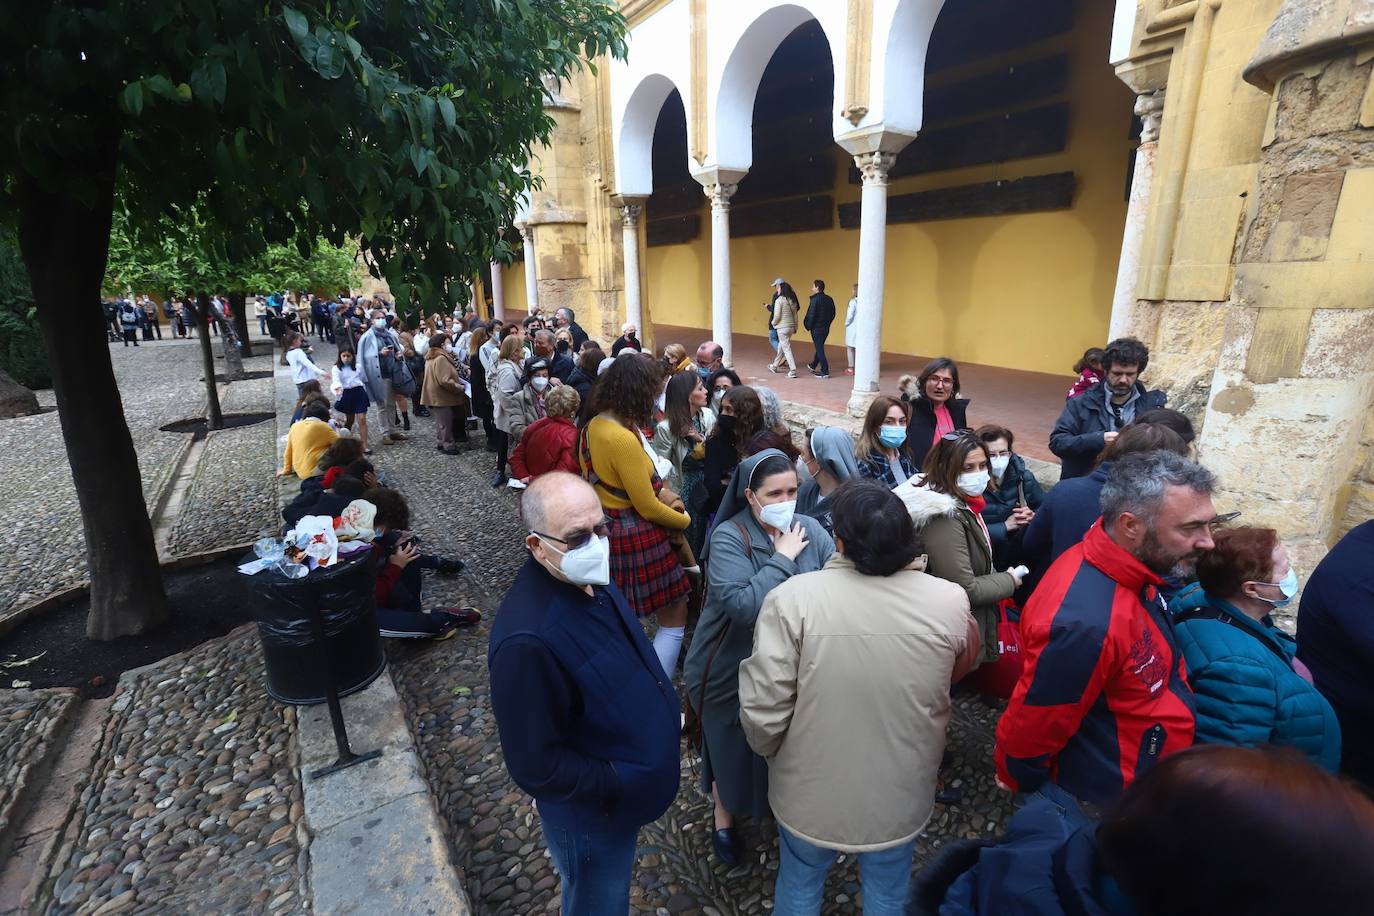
376 841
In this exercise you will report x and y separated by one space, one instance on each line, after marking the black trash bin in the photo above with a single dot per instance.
344 596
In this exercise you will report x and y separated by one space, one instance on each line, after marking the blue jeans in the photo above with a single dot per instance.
802 867
595 869
773 337
262 324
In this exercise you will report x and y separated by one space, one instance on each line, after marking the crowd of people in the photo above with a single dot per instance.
839 587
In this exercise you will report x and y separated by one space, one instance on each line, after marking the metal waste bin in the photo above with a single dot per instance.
337 603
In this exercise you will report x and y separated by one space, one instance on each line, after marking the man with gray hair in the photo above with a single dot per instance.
1102 696
589 721
564 318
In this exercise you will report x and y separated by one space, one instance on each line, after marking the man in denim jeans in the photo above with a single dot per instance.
847 697
589 722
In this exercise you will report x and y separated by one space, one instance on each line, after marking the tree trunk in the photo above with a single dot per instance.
213 416
65 244
233 360
239 303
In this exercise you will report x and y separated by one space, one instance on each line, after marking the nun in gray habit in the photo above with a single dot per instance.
742 568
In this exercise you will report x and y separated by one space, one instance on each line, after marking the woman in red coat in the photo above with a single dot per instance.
549 443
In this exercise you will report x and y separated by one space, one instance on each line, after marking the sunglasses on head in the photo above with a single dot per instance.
957 435
579 538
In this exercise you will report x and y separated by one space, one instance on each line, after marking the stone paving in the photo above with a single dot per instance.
493 825
160 383
195 804
30 725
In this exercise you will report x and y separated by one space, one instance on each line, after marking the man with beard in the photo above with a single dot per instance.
1102 696
1091 421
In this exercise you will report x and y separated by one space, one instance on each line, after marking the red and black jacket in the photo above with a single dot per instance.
1103 695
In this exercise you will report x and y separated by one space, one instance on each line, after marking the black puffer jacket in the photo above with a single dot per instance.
920 431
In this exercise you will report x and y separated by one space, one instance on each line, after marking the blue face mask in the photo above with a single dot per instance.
1288 585
703 374
892 436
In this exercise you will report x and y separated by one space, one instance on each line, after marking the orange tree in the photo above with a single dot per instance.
404 124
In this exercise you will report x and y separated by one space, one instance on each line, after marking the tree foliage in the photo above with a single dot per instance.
404 124
21 348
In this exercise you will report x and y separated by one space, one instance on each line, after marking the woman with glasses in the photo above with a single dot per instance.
758 544
617 459
936 407
1249 688
946 508
719 382
883 452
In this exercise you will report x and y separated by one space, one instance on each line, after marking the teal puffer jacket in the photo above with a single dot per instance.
1242 676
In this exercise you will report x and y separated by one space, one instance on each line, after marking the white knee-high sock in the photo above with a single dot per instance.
667 646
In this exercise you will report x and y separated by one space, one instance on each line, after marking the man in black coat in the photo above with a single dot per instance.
820 313
564 318
1091 421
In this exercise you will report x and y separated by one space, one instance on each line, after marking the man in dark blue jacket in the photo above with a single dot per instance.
1092 420
820 313
589 722
1336 641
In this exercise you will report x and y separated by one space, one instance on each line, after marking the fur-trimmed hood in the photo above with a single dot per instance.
924 503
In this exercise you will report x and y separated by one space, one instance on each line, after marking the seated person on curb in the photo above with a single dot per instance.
307 440
1092 420
341 454
549 443
399 561
1240 664
341 487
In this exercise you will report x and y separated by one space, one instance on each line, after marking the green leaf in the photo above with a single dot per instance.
427 107
447 111
295 22
329 61
160 85
131 99
208 81
417 159
183 92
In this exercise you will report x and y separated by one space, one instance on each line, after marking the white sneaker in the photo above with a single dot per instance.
515 484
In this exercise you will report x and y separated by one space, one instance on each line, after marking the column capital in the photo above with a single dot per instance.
526 232
720 194
629 214
875 165
1149 107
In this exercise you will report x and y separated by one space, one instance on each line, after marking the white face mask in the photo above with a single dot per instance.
589 564
379 323
974 483
999 464
779 515
803 472
717 397
539 383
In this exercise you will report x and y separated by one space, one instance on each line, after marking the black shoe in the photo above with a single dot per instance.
448 566
405 422
491 446
726 845
951 796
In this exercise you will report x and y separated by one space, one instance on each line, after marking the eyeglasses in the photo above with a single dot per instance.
957 435
579 538
940 382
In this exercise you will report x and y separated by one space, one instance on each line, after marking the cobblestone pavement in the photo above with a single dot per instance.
493 824
29 722
233 497
195 805
160 383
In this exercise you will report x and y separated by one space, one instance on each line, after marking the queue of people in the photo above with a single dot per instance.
837 591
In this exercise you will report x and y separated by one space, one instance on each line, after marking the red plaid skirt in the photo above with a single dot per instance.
643 563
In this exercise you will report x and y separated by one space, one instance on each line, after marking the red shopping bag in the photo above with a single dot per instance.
998 679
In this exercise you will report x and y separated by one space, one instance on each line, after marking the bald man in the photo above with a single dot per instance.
709 356
589 722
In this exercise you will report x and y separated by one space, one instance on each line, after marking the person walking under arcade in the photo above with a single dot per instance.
784 322
759 543
882 451
589 721
1093 419
820 314
847 696
936 407
1103 695
616 458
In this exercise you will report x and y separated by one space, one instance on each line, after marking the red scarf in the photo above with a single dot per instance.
976 505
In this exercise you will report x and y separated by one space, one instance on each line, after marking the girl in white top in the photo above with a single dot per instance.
303 367
350 394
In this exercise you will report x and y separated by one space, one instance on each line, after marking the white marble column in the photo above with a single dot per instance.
720 195
874 167
498 291
1150 109
634 306
531 278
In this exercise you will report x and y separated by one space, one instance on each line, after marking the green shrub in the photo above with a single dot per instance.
22 354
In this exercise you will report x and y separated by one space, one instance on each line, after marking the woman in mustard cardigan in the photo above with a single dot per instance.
615 456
